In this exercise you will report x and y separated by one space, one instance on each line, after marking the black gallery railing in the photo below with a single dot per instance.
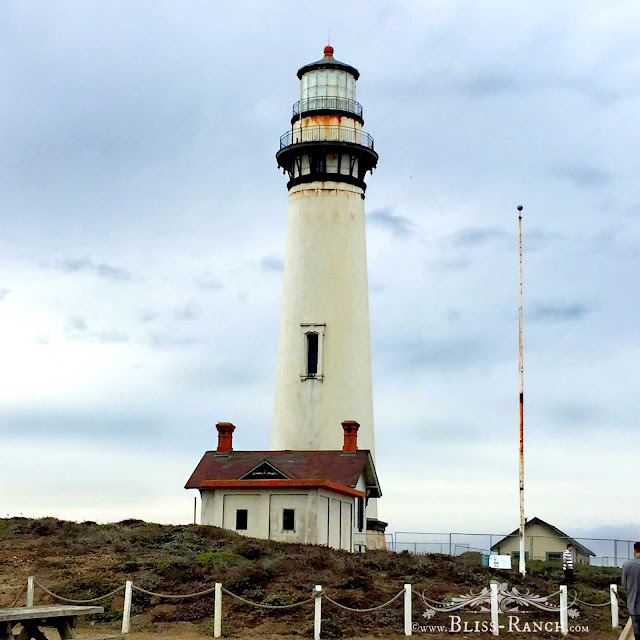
327 102
326 134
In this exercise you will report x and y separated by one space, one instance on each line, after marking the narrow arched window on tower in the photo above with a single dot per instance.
311 346
312 354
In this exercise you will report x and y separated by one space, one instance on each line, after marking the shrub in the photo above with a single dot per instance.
221 557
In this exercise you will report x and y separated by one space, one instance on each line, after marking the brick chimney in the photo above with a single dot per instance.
350 428
225 436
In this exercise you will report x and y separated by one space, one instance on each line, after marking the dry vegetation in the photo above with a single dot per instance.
85 560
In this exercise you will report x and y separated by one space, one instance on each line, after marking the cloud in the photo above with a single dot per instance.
470 237
109 337
148 316
217 375
633 211
576 415
168 340
446 430
490 84
535 239
101 270
189 311
76 325
4 293
101 424
398 226
583 177
452 315
76 329
560 312
449 264
440 355
272 263
207 282
620 532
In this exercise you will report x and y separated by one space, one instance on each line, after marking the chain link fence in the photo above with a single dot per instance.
607 552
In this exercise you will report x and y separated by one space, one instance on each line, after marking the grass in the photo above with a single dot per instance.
86 560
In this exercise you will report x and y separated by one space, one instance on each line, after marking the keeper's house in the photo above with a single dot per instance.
316 497
542 541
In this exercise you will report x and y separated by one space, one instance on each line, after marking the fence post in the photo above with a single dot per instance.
615 553
495 621
449 544
126 613
30 591
407 610
615 620
564 616
217 610
317 617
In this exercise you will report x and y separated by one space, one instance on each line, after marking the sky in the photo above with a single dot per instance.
143 225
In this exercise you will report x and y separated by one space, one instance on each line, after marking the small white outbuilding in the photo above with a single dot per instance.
315 497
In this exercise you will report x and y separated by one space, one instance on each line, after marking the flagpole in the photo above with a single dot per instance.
522 564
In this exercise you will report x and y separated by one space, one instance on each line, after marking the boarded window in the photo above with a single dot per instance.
241 519
288 519
360 514
312 354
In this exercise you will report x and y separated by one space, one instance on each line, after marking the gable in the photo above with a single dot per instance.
264 471
536 527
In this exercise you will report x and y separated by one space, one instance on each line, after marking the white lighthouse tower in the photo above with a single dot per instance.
318 483
324 356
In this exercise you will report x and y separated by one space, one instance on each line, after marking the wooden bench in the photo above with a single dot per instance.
627 632
60 617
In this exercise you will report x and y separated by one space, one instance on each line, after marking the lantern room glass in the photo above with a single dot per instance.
327 83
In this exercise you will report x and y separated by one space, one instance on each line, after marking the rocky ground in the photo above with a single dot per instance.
86 560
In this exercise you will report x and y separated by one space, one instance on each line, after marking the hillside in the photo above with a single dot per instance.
85 560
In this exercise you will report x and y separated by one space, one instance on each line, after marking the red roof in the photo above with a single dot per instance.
333 466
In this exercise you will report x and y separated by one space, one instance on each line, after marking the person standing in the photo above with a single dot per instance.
631 582
567 565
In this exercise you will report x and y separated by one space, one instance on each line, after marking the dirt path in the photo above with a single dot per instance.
202 631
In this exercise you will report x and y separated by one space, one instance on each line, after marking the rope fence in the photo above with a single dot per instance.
590 604
179 596
270 606
380 606
15 602
495 596
73 601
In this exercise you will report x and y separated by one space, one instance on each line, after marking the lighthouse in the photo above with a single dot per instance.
323 374
318 484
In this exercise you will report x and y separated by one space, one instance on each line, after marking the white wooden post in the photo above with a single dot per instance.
495 620
317 618
564 615
126 614
30 591
407 610
217 610
615 619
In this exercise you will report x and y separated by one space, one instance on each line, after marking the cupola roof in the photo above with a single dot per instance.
328 62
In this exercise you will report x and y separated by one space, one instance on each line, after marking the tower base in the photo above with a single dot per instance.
375 534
